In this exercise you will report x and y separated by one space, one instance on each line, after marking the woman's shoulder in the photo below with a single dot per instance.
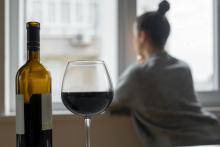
133 69
179 66
130 75
181 63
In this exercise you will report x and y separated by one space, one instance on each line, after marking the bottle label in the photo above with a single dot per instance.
37 113
46 107
19 114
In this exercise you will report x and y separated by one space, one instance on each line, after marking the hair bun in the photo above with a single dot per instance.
164 6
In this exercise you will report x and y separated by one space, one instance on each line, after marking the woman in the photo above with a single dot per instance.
159 90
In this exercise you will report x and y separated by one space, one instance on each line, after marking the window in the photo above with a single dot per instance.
192 37
65 12
95 29
51 11
68 39
70 30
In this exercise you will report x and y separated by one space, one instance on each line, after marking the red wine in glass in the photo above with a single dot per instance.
87 104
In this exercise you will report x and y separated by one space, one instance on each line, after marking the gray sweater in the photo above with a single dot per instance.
162 99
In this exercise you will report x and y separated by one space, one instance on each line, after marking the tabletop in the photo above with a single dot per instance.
202 146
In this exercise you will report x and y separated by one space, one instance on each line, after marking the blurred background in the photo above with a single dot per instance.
102 30
78 30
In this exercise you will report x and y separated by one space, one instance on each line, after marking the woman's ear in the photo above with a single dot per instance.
143 37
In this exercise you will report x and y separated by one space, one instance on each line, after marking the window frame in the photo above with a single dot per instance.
2 57
14 42
212 98
13 13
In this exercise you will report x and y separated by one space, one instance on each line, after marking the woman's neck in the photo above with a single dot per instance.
148 52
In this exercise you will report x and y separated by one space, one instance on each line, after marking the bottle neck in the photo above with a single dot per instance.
33 55
33 42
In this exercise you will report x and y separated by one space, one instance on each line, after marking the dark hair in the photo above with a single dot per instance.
156 24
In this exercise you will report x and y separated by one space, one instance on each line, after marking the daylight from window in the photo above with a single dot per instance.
70 30
191 36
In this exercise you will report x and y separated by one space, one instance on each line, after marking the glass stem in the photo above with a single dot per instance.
87 125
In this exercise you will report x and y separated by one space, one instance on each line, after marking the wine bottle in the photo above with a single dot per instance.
33 96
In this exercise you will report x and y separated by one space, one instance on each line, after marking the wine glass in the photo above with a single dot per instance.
86 90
